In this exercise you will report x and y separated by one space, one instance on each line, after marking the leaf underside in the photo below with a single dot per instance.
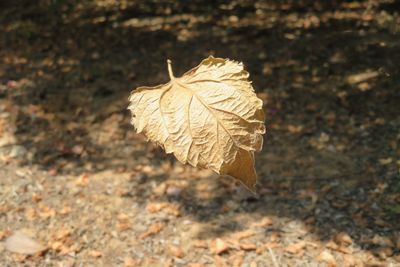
210 118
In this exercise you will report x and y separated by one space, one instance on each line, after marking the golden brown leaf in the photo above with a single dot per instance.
248 246
152 230
296 248
220 246
327 257
210 118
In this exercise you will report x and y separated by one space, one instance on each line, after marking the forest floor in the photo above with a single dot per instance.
76 178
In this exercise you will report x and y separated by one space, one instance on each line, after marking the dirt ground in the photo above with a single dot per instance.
76 178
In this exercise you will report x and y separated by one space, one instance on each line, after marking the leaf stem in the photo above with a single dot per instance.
170 72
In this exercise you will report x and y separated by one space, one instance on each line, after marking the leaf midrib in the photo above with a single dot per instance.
175 81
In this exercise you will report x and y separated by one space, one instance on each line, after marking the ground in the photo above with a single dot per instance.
75 177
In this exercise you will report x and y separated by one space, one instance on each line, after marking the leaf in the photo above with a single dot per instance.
220 246
210 118
296 248
23 244
327 257
153 229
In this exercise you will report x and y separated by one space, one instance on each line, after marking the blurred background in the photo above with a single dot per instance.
327 71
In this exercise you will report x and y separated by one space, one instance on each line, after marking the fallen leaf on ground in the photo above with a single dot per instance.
95 254
200 244
296 248
195 264
219 246
129 262
237 262
362 77
173 209
242 235
220 261
156 207
122 226
383 252
266 221
160 189
343 247
82 180
152 230
23 244
381 241
30 214
248 246
36 197
210 118
345 250
343 239
46 212
327 257
62 234
295 129
349 260
386 161
4 234
65 210
122 217
176 252
170 208
236 258
274 237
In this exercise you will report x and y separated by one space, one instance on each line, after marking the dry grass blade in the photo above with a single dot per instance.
274 260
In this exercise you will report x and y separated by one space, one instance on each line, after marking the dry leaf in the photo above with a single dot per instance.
200 244
381 241
297 248
169 208
195 264
383 252
220 261
243 234
327 257
362 77
176 252
129 262
220 246
343 239
248 246
156 207
23 244
272 245
82 180
210 118
238 261
96 253
266 221
65 210
4 234
152 230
